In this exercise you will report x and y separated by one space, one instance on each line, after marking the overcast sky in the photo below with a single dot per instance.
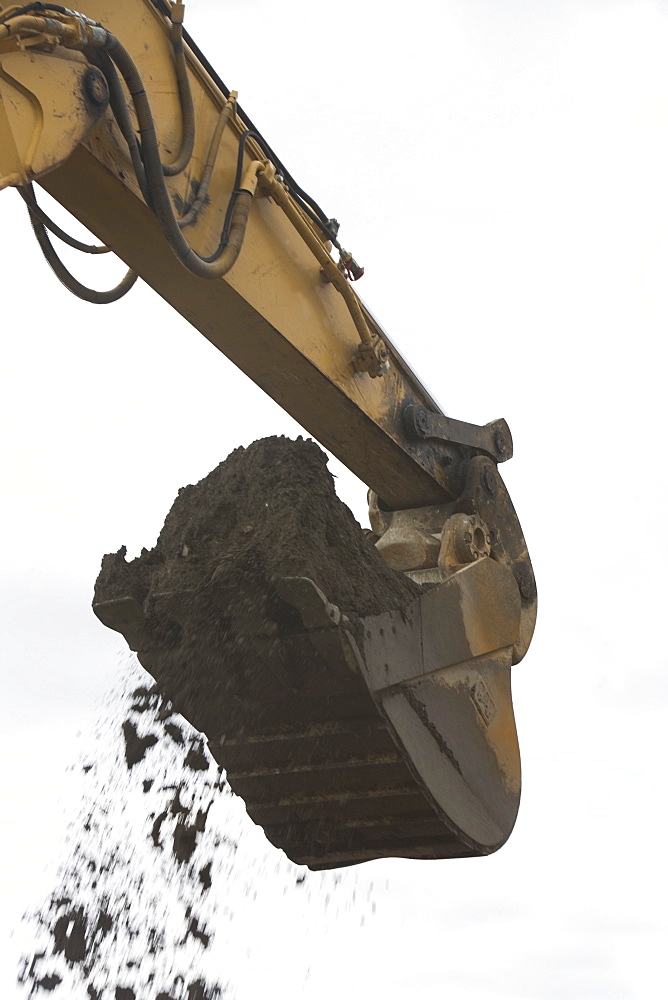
534 287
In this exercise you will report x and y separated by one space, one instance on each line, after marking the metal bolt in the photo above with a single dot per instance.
501 444
421 421
95 87
525 582
489 482
416 421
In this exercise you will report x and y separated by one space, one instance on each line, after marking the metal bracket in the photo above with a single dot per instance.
372 357
493 439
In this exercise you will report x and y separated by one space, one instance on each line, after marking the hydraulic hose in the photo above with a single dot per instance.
121 112
70 282
160 200
212 156
186 101
34 6
28 195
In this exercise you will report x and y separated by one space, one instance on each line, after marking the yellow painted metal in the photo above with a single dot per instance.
44 113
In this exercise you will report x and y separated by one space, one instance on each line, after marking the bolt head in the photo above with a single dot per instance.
501 444
525 582
95 88
416 421
490 485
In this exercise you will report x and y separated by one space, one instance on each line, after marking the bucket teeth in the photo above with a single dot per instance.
324 623
307 598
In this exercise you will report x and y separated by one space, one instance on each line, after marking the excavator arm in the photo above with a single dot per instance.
119 116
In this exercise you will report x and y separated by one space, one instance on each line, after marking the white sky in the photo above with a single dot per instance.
533 286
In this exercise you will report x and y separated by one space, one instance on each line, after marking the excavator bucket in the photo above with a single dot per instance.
359 714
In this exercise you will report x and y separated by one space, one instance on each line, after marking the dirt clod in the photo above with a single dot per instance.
48 983
69 936
175 732
205 876
196 759
184 842
135 745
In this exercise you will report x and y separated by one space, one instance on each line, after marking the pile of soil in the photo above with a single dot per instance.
267 511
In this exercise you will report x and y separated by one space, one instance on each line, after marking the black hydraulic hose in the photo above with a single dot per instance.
30 7
187 109
194 209
28 195
70 282
121 112
161 203
243 138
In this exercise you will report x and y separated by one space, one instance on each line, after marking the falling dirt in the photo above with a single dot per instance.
152 871
91 921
